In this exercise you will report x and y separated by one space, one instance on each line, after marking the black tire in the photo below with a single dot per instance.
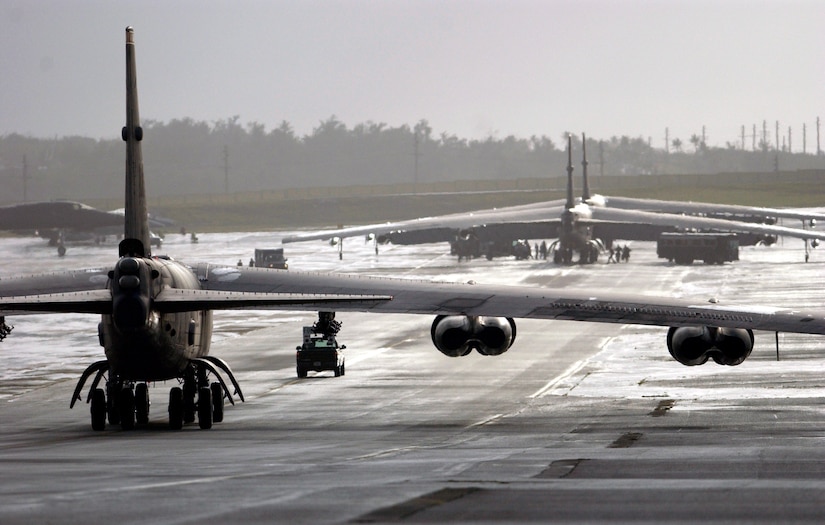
205 408
126 403
98 409
142 403
189 391
176 408
343 368
111 404
337 371
301 372
217 402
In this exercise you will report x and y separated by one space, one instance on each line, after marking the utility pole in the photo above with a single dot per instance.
226 170
777 135
704 142
790 144
804 139
667 140
764 135
743 137
601 158
753 138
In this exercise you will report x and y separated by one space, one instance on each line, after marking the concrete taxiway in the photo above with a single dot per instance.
578 422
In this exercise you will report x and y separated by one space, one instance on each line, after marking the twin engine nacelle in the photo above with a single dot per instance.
693 345
458 335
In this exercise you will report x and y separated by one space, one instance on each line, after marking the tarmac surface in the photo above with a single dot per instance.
578 422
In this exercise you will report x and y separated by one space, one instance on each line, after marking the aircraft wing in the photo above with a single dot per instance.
238 287
78 291
179 300
703 223
86 291
456 221
433 298
56 214
733 210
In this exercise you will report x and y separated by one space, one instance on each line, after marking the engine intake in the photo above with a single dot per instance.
693 345
458 335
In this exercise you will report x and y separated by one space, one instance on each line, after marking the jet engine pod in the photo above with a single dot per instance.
733 346
693 345
457 335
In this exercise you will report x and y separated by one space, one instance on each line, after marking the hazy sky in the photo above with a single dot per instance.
471 68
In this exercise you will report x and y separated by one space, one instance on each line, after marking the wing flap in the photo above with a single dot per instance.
85 302
177 300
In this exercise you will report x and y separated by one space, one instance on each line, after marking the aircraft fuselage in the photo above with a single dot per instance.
142 343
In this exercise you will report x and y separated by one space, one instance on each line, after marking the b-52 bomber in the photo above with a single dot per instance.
582 228
156 312
53 219
63 221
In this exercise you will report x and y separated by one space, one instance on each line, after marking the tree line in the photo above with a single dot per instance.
184 156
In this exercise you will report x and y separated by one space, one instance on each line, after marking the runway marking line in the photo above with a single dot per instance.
570 372
485 421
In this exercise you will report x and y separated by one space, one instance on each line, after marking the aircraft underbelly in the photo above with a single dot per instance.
161 350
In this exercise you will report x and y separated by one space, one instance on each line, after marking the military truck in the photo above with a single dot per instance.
319 352
270 258
684 248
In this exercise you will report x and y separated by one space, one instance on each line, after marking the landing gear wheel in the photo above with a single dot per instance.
98 409
111 404
205 407
189 391
217 402
126 402
142 403
176 408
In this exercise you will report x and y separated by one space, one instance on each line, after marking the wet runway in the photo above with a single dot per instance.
578 422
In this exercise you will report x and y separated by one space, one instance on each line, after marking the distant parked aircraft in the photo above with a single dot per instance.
582 228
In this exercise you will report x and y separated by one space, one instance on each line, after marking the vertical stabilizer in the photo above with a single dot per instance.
137 220
570 203
586 189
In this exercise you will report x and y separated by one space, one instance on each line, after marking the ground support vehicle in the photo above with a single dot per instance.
712 248
320 350
270 258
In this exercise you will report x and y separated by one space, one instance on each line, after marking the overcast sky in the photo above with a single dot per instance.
471 68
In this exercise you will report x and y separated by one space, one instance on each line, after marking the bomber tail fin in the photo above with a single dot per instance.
137 220
586 189
570 202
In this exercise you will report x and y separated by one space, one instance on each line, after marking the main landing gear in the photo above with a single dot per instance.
126 402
